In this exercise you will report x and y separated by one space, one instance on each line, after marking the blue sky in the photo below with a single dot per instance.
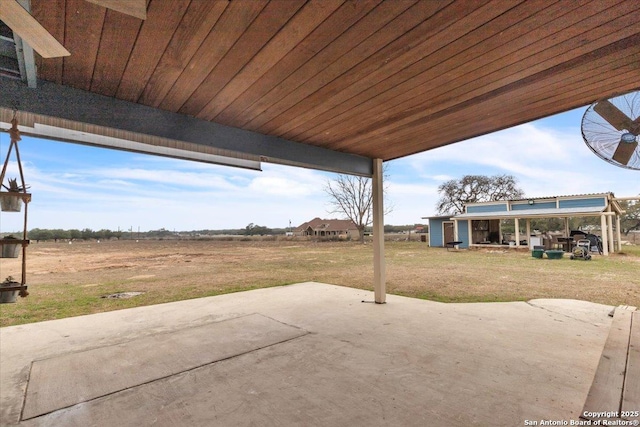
76 186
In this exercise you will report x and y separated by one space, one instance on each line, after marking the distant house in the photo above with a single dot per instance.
480 223
328 228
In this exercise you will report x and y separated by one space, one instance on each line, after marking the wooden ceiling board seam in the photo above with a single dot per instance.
412 100
82 37
197 23
235 19
531 64
339 117
499 105
403 51
379 46
265 28
377 99
554 88
113 51
586 76
504 103
549 93
427 52
150 45
392 149
51 15
513 78
588 94
305 21
339 22
374 21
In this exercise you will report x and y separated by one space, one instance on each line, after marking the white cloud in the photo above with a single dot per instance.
442 178
545 161
287 182
130 190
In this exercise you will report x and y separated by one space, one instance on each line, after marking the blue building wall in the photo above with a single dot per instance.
541 205
583 203
436 238
435 232
487 208
463 233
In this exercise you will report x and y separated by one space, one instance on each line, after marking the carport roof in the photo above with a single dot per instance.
328 84
534 213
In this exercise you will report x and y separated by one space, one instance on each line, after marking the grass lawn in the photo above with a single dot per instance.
70 279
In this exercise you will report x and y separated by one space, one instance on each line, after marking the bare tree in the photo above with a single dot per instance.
352 197
630 220
476 188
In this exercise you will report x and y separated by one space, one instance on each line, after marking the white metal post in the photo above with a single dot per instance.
379 279
603 232
517 225
618 233
610 233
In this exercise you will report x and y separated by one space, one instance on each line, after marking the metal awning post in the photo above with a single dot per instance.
379 278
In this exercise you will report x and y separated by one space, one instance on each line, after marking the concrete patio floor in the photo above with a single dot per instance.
305 354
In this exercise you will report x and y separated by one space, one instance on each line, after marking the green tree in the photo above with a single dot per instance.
256 230
39 234
455 194
87 234
59 234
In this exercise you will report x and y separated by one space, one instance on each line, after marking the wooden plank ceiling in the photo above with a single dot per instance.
382 79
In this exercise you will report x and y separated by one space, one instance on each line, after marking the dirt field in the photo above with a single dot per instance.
72 279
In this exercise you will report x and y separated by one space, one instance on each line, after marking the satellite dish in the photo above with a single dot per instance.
610 128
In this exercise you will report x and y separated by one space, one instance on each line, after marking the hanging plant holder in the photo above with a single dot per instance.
11 247
10 203
13 194
12 199
9 290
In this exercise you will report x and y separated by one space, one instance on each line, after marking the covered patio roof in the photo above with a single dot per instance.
325 84
534 213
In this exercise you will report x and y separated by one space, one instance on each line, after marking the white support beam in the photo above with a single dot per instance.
618 233
604 235
470 232
379 270
517 225
528 231
610 233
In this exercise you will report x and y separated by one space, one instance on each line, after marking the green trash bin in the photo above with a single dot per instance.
537 253
554 254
